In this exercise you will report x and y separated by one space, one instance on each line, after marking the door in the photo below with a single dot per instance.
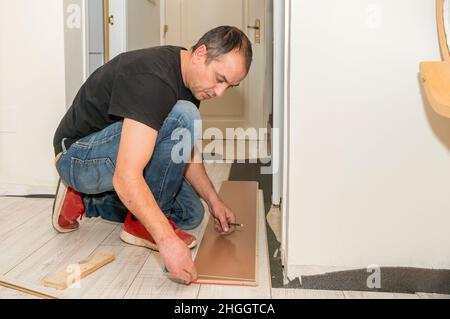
143 24
116 27
132 25
188 20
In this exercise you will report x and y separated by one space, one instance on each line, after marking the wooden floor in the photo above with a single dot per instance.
31 250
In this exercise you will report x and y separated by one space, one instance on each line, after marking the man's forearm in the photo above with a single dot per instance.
138 198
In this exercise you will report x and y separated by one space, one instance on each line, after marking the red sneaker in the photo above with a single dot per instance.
134 233
67 208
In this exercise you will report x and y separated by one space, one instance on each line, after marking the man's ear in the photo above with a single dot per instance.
199 55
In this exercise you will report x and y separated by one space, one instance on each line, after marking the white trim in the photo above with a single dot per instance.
278 97
7 189
285 180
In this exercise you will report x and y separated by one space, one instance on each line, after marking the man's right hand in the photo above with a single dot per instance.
178 259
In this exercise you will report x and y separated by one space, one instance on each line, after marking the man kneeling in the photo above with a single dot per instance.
114 147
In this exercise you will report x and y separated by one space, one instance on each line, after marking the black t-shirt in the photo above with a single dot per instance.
142 85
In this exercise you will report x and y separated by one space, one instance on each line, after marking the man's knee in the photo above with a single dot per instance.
197 220
194 217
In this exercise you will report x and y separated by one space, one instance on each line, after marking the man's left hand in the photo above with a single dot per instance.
222 216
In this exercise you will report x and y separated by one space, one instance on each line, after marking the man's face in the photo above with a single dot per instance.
212 79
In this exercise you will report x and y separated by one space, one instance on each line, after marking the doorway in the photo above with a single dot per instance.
245 106
117 26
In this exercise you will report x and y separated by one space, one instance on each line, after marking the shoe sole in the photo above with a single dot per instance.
60 196
136 241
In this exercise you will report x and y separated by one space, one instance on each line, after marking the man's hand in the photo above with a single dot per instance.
222 216
178 259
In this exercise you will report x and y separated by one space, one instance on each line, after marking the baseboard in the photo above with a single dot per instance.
7 189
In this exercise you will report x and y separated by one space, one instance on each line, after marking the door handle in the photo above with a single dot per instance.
257 28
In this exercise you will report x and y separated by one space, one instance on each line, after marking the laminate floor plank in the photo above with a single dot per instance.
20 210
18 244
263 290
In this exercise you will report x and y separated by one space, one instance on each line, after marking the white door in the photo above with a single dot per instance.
132 25
117 20
188 20
143 27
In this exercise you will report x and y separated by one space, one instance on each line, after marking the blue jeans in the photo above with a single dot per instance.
88 167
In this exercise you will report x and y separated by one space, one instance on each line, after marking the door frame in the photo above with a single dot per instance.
285 141
106 30
280 146
123 18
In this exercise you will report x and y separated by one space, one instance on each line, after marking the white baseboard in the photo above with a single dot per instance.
7 189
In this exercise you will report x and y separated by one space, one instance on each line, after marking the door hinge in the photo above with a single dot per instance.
111 20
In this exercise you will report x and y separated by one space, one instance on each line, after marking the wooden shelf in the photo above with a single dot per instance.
435 78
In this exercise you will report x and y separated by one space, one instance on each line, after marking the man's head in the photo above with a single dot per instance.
221 59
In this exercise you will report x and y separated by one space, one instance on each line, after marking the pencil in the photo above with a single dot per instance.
236 225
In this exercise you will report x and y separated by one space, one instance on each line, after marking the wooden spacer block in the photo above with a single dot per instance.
74 273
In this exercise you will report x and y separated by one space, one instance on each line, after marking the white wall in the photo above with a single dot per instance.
369 161
32 93
75 43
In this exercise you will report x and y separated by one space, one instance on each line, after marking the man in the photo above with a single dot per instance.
114 147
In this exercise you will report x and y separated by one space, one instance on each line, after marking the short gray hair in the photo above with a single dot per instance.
224 39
